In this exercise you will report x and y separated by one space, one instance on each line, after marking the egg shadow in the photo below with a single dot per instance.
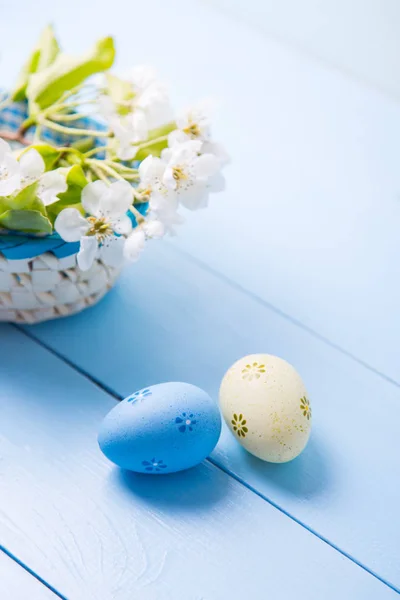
310 474
193 490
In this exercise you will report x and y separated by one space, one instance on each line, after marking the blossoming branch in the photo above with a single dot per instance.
99 159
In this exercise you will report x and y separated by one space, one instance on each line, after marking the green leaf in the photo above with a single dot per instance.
120 91
19 92
158 146
55 209
76 181
67 72
76 176
50 154
49 48
23 199
83 144
30 221
41 57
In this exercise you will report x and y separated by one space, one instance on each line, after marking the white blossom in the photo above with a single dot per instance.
154 228
10 170
150 95
192 124
218 150
32 169
101 232
134 244
50 185
165 209
151 173
188 173
163 201
195 124
148 108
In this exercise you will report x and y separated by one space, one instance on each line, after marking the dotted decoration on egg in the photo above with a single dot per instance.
139 396
185 422
154 465
253 371
282 426
305 407
239 425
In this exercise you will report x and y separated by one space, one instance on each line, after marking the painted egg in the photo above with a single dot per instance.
266 406
161 429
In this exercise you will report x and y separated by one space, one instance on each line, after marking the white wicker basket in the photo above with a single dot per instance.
46 287
39 277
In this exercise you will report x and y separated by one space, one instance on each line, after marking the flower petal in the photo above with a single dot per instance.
183 152
218 150
139 127
169 180
206 165
117 201
32 165
92 195
177 137
87 252
5 148
195 197
112 252
127 152
123 225
134 244
12 180
150 169
52 183
70 225
154 229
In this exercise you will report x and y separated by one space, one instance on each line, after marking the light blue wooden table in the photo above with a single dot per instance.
299 258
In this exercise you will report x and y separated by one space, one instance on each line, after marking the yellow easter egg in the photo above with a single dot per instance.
266 406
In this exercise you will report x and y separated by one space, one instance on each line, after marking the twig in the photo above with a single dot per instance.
14 137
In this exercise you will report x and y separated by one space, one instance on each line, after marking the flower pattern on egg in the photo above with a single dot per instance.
253 371
185 422
305 407
154 465
239 425
140 395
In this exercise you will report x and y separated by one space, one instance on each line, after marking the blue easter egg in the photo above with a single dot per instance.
161 429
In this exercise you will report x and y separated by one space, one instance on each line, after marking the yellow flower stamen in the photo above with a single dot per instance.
100 228
192 129
179 174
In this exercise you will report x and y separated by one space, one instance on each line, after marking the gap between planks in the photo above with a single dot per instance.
315 334
32 573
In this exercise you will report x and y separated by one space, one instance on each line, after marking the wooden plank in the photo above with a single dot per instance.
170 320
311 215
359 39
17 584
310 218
96 532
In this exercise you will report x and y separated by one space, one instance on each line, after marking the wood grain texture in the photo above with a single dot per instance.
170 320
311 215
95 532
18 584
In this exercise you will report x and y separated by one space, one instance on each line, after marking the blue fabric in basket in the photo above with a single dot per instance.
12 117
16 246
